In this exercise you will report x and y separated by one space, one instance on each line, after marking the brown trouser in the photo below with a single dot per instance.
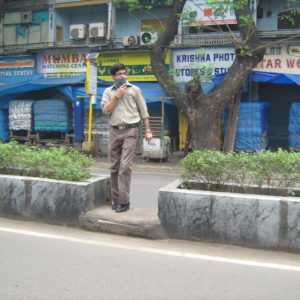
122 145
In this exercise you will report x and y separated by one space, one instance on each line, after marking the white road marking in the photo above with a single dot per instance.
251 263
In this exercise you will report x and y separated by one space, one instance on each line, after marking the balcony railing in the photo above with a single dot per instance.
279 34
209 39
199 39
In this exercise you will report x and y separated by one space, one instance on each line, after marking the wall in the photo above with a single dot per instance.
63 20
132 20
270 22
79 15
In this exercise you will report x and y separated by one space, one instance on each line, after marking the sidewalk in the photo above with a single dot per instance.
171 166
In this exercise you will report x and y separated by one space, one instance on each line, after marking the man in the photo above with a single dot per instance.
126 107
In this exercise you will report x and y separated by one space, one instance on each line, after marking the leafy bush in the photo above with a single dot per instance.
279 169
57 163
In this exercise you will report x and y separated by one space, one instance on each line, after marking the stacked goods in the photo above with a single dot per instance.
100 129
52 115
294 126
252 126
4 136
20 115
100 125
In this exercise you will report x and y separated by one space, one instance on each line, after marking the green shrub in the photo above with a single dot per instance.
57 163
280 169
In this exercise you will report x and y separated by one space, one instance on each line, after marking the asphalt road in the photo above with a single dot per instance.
44 262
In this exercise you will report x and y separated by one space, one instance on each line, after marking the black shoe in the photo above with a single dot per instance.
114 206
122 207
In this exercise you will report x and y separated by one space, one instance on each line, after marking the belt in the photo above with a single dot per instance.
126 126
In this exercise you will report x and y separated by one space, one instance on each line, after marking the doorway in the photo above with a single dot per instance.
280 97
59 33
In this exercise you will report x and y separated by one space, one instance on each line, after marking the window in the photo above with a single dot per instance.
288 20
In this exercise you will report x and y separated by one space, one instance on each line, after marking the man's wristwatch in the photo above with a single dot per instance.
148 130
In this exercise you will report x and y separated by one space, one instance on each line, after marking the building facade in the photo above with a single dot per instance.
52 38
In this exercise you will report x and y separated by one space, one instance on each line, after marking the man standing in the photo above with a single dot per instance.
126 107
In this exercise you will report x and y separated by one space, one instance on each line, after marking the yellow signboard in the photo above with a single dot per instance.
138 65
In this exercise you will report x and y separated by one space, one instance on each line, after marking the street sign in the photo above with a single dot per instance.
91 78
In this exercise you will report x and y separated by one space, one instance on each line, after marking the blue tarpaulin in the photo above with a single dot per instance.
151 90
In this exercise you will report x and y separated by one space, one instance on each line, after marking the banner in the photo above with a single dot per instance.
281 59
188 61
15 69
72 63
138 65
203 14
66 63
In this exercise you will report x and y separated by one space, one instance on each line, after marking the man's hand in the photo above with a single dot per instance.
121 91
148 136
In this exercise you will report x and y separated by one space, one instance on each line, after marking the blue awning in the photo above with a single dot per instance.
267 77
280 78
152 91
37 83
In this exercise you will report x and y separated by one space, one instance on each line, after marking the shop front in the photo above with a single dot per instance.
275 81
279 85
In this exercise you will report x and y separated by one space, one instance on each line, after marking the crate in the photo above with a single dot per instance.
55 138
27 136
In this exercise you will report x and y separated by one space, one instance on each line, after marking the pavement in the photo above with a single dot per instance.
140 222
171 166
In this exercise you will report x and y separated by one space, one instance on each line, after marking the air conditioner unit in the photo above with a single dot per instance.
97 30
26 17
148 38
78 31
131 40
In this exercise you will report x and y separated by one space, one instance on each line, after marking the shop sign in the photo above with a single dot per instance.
202 13
214 60
281 59
138 65
61 64
16 69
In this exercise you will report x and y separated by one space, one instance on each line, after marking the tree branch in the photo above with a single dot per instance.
158 57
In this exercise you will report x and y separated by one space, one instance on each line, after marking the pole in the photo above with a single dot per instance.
90 121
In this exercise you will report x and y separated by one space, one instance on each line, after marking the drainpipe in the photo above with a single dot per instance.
2 30
253 9
51 29
111 21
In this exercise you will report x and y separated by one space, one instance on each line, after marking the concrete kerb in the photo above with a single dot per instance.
243 219
50 200
135 222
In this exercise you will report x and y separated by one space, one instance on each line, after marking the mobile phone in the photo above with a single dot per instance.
119 82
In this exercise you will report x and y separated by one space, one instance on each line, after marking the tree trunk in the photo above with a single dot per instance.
205 128
204 111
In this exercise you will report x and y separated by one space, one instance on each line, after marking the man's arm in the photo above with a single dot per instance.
110 105
148 133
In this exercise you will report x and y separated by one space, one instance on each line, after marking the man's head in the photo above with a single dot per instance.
118 71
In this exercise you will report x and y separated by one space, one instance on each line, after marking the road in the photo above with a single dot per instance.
47 262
